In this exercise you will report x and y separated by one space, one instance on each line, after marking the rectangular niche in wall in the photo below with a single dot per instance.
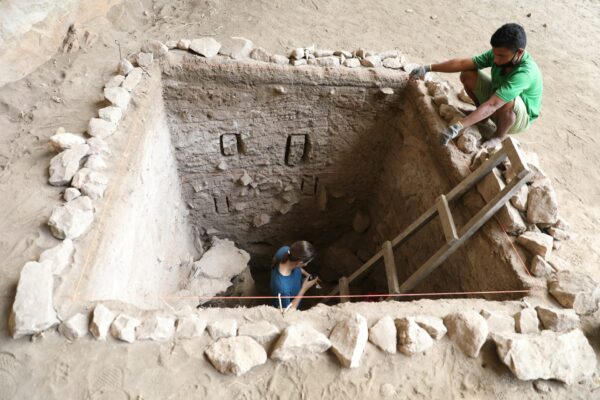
229 144
295 149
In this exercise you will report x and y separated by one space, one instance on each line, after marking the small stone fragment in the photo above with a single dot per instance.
279 59
91 183
371 61
433 325
352 62
261 219
115 81
191 326
260 54
236 355
299 341
118 97
299 62
98 147
537 243
75 327
348 340
65 164
222 329
559 234
72 219
144 60
111 114
542 205
171 44
297 53
557 320
64 141
125 67
71 193
467 143
575 290
58 257
133 79
392 63
468 330
519 200
526 321
184 44
95 163
539 267
237 48
156 328
412 339
101 128
384 335
123 328
207 47
102 318
245 179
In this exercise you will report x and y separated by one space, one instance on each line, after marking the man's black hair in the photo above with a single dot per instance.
512 36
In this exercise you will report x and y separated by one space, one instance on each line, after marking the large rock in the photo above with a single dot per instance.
123 328
566 356
412 339
63 141
190 326
263 332
133 79
542 205
156 328
58 257
72 219
526 321
508 216
222 329
299 341
433 325
383 335
207 47
65 164
348 340
537 243
102 318
236 48
32 311
111 114
101 128
75 327
469 330
118 97
91 183
361 222
519 200
557 320
236 355
498 323
575 290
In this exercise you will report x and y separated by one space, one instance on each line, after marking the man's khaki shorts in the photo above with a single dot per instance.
483 91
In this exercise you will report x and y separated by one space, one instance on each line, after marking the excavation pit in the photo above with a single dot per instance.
264 155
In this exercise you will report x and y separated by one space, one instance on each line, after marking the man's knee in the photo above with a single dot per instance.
507 111
469 79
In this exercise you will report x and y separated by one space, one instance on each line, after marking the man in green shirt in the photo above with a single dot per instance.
512 96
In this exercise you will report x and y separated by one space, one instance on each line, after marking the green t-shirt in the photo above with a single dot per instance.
524 80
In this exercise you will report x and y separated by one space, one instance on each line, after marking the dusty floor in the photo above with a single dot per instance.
65 92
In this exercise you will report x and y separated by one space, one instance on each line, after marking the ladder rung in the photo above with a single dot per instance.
344 289
446 220
390 268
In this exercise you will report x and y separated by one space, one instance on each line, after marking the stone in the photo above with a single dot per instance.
222 329
101 128
123 328
125 67
279 59
508 216
190 326
361 222
344 53
102 318
348 340
206 46
33 311
299 341
565 356
297 53
260 54
519 200
467 143
260 220
264 332
95 162
184 44
237 48
91 183
64 141
351 62
156 328
559 234
498 323
71 193
171 44
144 60
433 325
392 63
245 179
133 79
157 48
449 113
118 97
111 114
468 330
384 335
75 327
575 290
371 61
58 257
73 219
527 322
66 163
537 243
297 63
98 147
330 61
236 355
542 204
386 91
322 53
557 320
222 261
539 267
412 339
115 81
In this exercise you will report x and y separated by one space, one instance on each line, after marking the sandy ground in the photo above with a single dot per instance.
66 90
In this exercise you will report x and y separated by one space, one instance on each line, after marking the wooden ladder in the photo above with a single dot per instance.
454 238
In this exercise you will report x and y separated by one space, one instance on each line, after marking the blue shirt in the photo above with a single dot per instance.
285 285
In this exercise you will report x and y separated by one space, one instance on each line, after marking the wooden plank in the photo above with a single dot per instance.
365 266
516 157
465 233
446 219
344 289
390 268
415 226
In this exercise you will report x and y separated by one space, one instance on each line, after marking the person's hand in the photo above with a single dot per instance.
308 283
419 72
450 133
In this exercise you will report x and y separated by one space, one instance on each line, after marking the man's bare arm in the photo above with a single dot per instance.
454 65
483 111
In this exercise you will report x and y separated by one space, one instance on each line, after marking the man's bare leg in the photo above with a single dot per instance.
469 81
504 118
